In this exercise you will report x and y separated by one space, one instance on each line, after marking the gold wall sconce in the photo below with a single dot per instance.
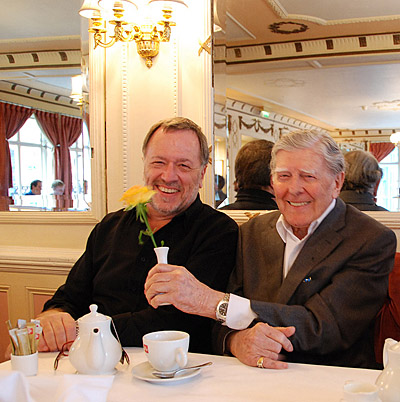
79 92
124 16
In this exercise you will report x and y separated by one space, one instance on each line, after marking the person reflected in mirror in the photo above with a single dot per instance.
58 187
309 279
363 175
36 188
219 184
252 173
112 270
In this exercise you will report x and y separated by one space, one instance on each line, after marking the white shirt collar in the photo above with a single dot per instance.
284 229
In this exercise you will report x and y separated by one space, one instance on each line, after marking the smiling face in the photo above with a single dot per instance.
173 168
304 187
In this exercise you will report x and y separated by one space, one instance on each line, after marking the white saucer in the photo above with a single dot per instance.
143 372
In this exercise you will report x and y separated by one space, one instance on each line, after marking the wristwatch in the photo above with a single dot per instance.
222 308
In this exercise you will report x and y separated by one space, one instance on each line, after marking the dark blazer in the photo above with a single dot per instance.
332 292
252 199
361 201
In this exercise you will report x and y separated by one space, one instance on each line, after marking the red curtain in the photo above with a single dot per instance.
12 118
62 131
381 149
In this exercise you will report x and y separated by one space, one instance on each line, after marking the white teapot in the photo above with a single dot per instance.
389 380
95 350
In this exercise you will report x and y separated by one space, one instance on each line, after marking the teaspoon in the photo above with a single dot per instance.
171 374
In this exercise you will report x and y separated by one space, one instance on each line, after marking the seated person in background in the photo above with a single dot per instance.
309 279
252 175
58 187
219 185
361 182
112 271
36 188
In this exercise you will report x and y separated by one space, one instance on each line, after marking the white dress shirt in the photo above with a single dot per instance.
239 314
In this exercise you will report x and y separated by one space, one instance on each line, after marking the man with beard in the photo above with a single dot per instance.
112 271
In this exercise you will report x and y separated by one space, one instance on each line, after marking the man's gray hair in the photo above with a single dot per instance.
362 172
180 123
320 142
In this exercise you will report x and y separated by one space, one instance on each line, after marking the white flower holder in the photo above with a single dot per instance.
162 254
162 258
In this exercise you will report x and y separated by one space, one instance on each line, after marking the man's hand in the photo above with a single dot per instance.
261 340
176 285
58 328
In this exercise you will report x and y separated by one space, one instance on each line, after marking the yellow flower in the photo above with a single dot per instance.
137 195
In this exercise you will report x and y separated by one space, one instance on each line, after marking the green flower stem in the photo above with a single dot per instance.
142 211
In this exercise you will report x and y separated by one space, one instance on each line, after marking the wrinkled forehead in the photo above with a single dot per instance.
306 160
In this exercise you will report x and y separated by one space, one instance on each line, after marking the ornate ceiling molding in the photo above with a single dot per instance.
40 59
282 13
24 92
326 47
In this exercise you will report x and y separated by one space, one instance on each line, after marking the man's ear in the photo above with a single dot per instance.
339 179
203 172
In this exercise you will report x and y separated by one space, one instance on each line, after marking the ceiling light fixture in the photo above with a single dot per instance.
395 138
123 15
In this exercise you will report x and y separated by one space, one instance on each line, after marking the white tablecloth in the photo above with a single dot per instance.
226 380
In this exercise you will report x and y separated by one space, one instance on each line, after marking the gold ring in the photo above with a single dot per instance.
260 362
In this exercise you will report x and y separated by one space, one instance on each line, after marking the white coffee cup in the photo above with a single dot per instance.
355 391
27 364
166 350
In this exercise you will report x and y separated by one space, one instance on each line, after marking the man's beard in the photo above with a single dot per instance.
163 207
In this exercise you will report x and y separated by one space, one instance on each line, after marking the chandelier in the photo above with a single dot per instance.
124 16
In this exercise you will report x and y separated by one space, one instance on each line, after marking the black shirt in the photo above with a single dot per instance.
112 271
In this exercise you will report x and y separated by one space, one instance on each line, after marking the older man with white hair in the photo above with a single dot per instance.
309 278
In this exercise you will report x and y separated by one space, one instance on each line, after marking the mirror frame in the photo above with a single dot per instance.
389 219
97 143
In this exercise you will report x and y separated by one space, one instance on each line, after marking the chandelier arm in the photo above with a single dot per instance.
98 40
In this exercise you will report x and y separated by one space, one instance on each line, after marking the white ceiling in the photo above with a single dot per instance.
43 27
339 92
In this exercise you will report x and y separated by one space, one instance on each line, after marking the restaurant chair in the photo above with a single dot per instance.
387 322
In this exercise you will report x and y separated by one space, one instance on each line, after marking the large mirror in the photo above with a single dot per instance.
333 66
44 63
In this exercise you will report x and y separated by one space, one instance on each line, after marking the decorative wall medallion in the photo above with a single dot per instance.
288 27
386 105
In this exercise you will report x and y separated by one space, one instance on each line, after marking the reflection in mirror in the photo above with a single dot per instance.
44 119
288 65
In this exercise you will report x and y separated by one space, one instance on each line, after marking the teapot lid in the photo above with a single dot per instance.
396 347
93 316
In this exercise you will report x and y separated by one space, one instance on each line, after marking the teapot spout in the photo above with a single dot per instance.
95 351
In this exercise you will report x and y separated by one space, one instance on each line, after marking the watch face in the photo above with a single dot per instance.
223 307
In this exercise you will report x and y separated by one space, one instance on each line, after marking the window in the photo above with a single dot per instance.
388 190
32 158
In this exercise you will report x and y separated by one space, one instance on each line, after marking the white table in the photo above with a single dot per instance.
226 380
